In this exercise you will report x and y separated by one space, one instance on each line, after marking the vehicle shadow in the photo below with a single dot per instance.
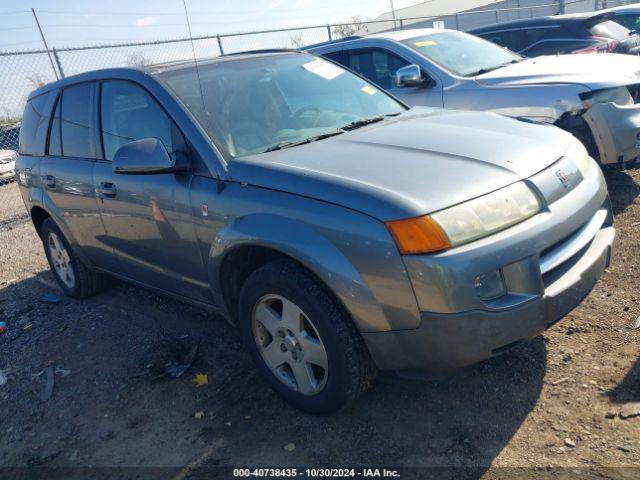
450 426
622 189
113 413
628 390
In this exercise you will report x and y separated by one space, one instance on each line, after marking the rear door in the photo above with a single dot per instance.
147 217
67 168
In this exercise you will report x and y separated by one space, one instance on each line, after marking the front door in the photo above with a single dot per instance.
147 217
380 65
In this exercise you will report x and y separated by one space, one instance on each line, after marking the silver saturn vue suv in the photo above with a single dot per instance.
595 97
339 230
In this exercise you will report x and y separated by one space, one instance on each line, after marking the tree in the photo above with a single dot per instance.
297 40
355 24
138 59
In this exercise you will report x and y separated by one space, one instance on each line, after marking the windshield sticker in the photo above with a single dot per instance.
323 69
369 90
425 43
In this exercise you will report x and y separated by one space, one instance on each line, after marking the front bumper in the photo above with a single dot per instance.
616 131
548 264
448 341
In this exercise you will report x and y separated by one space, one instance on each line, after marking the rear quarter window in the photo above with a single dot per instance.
35 121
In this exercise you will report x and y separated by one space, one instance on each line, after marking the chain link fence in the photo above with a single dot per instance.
23 71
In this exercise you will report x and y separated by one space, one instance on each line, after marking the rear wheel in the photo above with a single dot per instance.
303 341
74 277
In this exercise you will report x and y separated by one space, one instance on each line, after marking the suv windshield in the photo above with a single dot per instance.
462 54
255 104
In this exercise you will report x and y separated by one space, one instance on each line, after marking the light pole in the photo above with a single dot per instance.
393 14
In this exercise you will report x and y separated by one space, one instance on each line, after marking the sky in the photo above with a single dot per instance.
88 22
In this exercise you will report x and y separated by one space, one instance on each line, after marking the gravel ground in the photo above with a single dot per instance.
551 406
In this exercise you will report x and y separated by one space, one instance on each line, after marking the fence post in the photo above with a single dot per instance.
402 24
220 44
329 33
58 62
561 7
497 18
457 22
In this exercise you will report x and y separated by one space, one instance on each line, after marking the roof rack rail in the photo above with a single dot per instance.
264 50
331 42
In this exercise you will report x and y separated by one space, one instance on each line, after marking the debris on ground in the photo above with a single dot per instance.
62 371
569 443
3 327
290 447
170 362
4 377
51 298
176 368
636 324
199 415
74 456
201 379
629 410
561 380
48 388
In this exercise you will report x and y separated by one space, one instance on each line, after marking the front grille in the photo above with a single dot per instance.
562 255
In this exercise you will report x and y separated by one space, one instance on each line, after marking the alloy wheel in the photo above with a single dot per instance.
290 344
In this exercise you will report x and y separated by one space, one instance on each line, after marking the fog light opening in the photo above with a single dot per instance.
490 285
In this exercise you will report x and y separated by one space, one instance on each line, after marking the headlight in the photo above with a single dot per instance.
466 222
617 95
488 214
579 155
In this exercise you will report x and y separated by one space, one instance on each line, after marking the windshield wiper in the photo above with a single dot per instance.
361 123
345 128
491 69
295 143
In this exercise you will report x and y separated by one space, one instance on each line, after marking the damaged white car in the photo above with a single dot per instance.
595 97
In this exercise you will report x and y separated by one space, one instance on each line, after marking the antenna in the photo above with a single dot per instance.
195 61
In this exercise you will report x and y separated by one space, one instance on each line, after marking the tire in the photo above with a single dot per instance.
282 287
76 279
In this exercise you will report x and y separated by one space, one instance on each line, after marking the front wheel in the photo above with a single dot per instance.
303 341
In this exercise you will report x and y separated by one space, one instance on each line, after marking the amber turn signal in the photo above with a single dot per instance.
418 235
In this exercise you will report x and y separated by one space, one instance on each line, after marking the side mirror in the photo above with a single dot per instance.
145 157
409 76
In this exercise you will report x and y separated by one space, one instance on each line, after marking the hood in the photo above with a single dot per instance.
601 70
420 162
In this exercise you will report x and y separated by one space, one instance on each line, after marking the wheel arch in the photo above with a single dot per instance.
251 241
38 216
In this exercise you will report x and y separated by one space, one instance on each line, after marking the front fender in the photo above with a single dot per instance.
306 245
543 103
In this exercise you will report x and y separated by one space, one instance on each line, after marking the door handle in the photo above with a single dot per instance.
50 181
107 189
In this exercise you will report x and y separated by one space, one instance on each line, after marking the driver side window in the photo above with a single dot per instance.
129 113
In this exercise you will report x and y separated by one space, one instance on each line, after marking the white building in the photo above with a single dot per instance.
467 14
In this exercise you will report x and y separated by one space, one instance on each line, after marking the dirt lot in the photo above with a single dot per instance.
554 402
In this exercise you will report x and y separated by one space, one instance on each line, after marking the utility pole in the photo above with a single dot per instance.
393 14
561 7
46 47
